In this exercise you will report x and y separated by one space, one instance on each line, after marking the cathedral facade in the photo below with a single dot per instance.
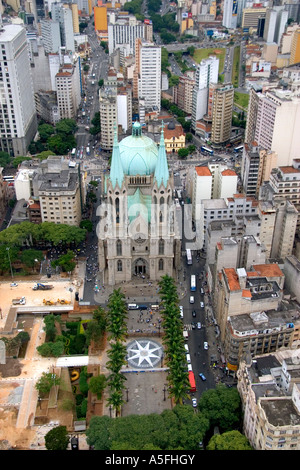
138 231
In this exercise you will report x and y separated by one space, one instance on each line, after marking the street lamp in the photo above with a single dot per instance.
11 271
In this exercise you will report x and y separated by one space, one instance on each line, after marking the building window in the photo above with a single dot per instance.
161 265
119 248
119 266
161 247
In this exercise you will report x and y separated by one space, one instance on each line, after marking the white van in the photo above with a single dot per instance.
133 307
186 348
188 358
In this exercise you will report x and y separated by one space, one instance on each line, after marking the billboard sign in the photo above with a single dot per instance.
261 67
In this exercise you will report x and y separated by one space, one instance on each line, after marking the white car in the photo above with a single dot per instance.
205 345
192 299
181 311
202 304
199 325
186 348
194 402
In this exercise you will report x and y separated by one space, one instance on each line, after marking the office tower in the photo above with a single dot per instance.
275 21
206 73
295 48
63 15
149 74
221 112
270 24
18 123
230 14
108 116
250 17
50 31
273 122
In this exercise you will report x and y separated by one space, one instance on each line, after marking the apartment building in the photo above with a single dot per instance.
222 106
239 210
272 123
214 181
58 188
269 389
247 303
148 74
295 48
183 93
67 84
206 74
18 122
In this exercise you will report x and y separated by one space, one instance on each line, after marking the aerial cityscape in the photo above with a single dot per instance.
150 226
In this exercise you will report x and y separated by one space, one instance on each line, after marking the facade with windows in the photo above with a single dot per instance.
18 123
137 233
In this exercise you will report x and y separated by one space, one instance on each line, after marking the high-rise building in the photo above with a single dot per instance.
230 14
67 82
18 123
149 74
63 14
275 21
183 93
273 121
221 112
123 33
50 31
206 74
295 48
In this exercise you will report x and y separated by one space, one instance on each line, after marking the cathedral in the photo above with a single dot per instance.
138 232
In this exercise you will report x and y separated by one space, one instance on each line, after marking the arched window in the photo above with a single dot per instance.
119 266
161 247
117 210
161 265
119 248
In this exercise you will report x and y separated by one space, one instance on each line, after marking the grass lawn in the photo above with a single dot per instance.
205 53
236 67
241 99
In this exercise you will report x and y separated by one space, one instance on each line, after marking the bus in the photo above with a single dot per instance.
206 150
189 258
192 381
193 283
73 152
238 149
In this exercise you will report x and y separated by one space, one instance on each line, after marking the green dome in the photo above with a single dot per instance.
138 153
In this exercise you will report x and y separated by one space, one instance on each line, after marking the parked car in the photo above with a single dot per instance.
205 345
202 376
202 304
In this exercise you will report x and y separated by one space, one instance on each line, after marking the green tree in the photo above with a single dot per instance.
5 159
222 406
87 225
183 153
45 131
231 440
18 160
46 382
66 262
57 438
8 254
97 385
30 257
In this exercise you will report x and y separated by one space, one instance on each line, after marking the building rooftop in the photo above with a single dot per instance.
281 412
203 171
